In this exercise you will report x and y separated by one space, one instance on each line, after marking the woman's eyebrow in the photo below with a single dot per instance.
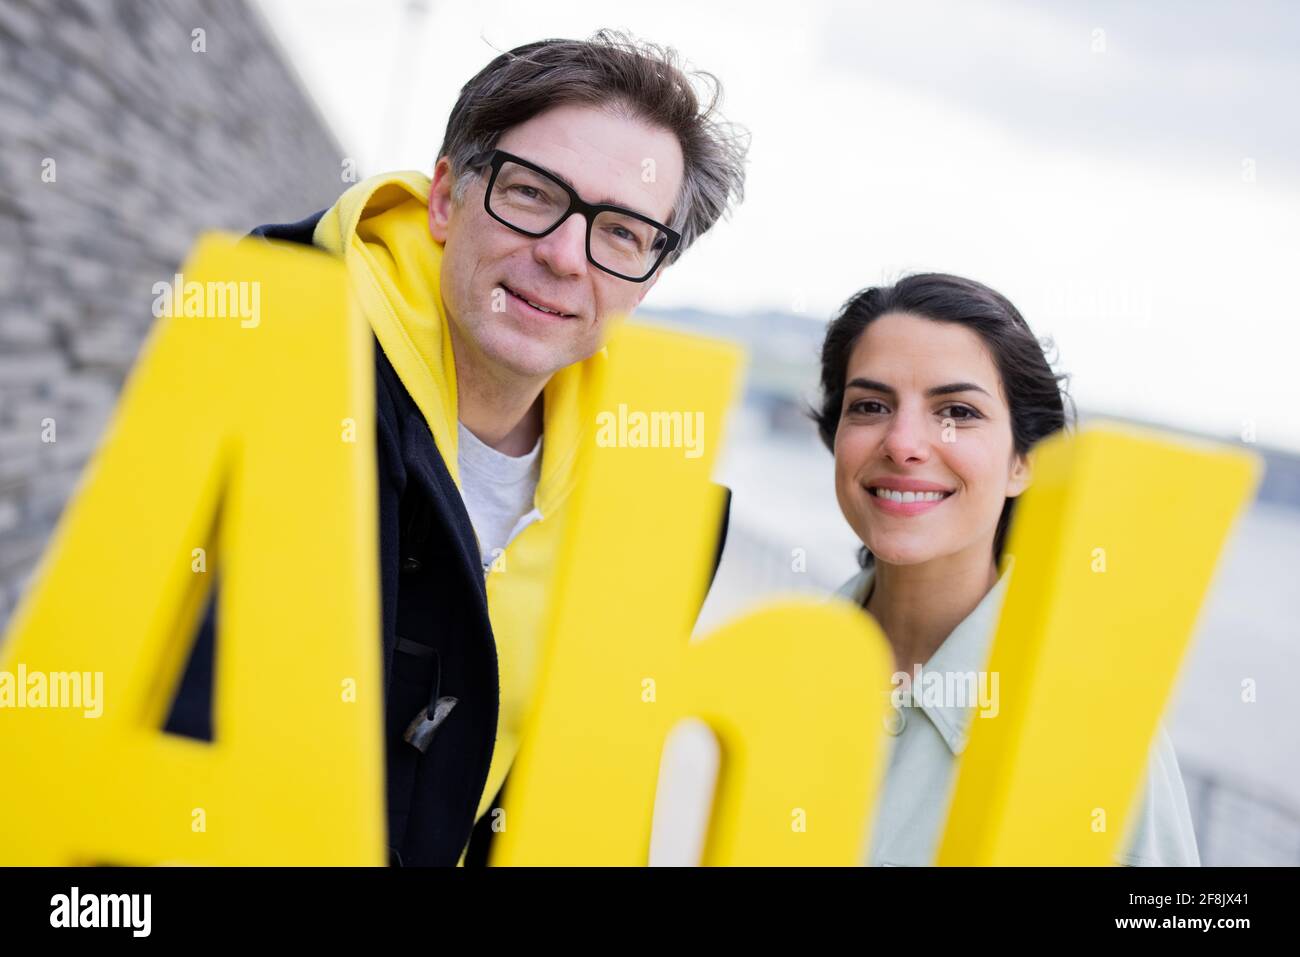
872 385
952 387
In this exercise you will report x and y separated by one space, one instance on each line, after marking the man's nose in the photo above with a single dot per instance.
907 440
564 252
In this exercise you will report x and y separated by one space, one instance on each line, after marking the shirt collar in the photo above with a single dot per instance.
965 649
479 457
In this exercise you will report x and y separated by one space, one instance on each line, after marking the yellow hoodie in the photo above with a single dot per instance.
380 228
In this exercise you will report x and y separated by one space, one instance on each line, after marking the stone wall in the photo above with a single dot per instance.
123 133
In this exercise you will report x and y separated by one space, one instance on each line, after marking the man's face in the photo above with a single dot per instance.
488 269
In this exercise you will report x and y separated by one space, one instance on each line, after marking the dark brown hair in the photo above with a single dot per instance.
1035 394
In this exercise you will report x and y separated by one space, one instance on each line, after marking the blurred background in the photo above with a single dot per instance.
1128 175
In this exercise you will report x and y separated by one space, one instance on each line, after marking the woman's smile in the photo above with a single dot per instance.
900 496
895 502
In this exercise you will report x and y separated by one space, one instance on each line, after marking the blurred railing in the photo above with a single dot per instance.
1238 825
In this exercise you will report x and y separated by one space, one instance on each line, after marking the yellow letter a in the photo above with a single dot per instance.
227 439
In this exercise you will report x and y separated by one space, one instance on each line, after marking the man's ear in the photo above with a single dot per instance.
440 199
1022 467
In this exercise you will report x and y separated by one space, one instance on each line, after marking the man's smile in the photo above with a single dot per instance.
537 305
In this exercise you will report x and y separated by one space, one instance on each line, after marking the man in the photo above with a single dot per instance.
570 175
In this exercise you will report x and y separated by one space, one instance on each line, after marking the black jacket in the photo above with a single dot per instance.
437 638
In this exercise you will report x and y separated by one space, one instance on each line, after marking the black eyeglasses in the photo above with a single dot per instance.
533 201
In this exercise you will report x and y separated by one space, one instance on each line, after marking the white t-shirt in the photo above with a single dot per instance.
498 491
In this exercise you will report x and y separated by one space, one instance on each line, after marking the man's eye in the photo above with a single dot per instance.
959 412
527 192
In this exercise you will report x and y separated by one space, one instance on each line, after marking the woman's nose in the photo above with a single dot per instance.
906 440
564 252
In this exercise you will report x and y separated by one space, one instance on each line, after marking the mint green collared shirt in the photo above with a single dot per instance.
926 738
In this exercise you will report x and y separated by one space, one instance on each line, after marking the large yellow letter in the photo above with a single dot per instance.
232 437
796 694
1114 547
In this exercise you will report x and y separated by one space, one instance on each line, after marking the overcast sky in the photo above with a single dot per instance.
1129 175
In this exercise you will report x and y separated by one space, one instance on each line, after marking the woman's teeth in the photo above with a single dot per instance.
896 496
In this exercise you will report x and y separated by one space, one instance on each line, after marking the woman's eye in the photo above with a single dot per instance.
867 406
959 412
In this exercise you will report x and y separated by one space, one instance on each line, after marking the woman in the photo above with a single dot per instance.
934 390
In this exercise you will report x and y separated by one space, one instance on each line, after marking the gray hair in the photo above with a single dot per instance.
614 70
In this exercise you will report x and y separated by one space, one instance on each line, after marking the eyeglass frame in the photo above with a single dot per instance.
496 158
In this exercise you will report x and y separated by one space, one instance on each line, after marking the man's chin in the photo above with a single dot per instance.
528 359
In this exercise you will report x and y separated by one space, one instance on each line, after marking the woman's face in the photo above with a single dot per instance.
925 421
